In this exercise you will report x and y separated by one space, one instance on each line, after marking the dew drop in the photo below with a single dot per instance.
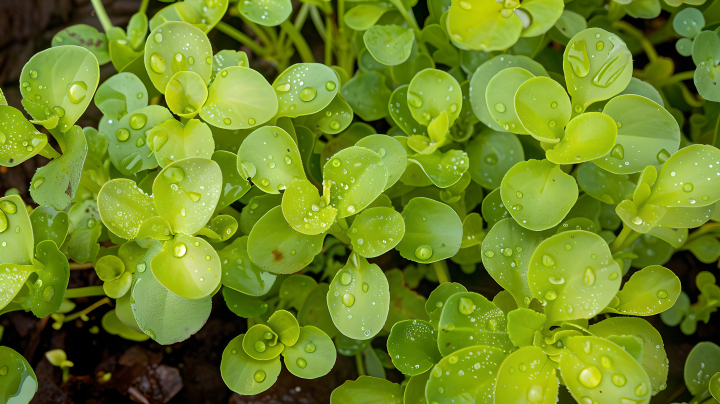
330 85
489 254
346 278
688 187
157 63
122 134
548 261
140 267
310 348
590 377
38 182
348 299
618 152
535 394
662 294
500 107
365 287
308 94
618 380
424 252
551 295
77 91
302 363
600 45
662 156
259 376
466 306
48 294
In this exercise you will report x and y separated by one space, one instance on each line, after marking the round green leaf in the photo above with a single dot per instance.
469 319
114 326
234 185
304 89
376 231
355 177
400 113
269 13
433 231
689 22
443 169
239 98
49 224
597 65
55 183
276 247
647 134
491 155
364 16
412 346
53 275
305 210
295 289
16 239
389 44
500 97
19 383
59 82
359 299
698 172
654 358
649 291
598 369
483 75
203 14
109 268
567 268
497 28
174 47
333 119
314 311
270 157
701 364
188 190
391 151
261 343
86 36
128 148
166 317
245 375
244 305
507 250
123 207
188 266
430 93
517 383
602 185
531 193
172 141
19 140
543 108
312 356
239 273
228 58
120 94
465 377
368 95
186 93
587 137
367 389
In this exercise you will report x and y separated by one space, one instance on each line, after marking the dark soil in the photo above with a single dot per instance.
188 372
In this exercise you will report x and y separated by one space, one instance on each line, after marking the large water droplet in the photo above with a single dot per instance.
348 299
535 394
77 91
260 346
138 121
8 207
618 380
174 174
500 107
548 261
308 94
662 156
38 182
424 252
688 187
159 139
59 111
590 377
551 295
179 250
466 306
259 376
618 152
302 363
414 100
662 294
283 87
157 63
48 293
641 390
140 267
589 276
310 348
600 45
346 278
578 58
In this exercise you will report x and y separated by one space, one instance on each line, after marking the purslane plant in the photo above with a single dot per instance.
567 179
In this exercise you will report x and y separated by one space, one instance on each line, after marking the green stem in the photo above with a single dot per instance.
144 6
618 242
74 266
89 184
328 41
704 229
700 397
689 98
317 21
640 36
88 310
300 44
87 291
49 152
676 78
259 32
102 15
235 34
406 16
302 15
359 364
441 272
